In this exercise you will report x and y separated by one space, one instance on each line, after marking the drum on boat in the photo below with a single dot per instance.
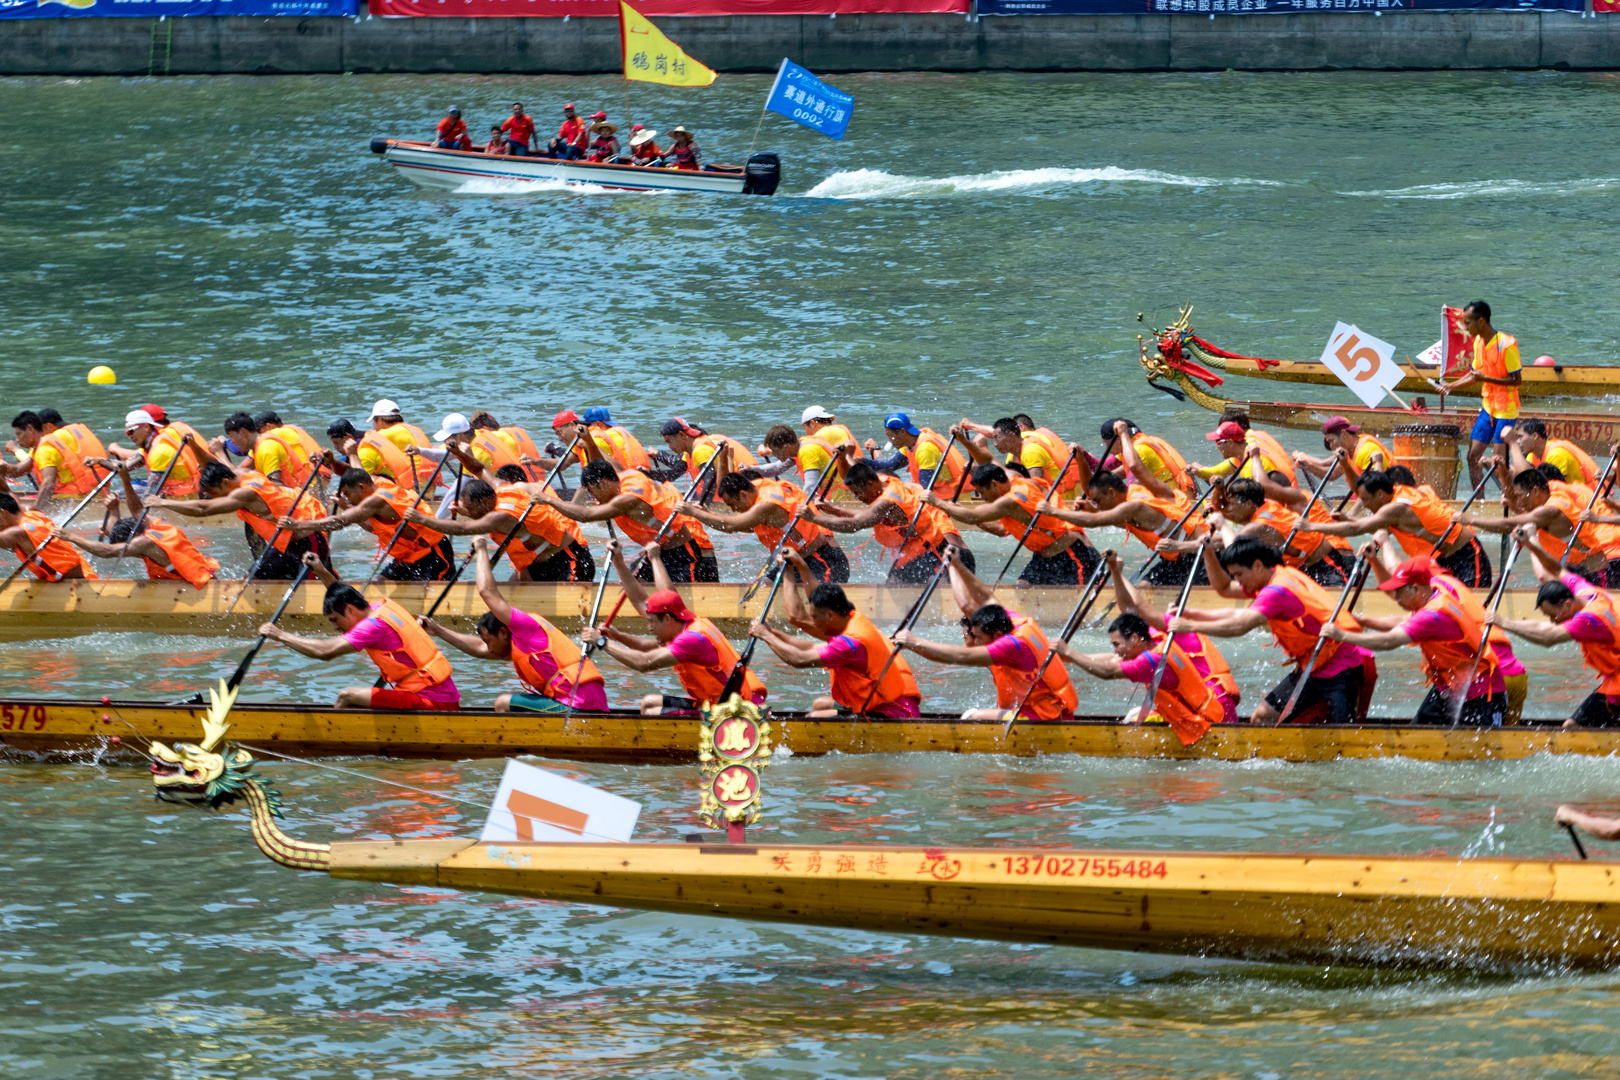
1430 451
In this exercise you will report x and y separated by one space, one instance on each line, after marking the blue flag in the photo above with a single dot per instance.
799 95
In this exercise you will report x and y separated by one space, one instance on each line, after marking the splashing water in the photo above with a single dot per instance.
1482 188
1487 842
877 184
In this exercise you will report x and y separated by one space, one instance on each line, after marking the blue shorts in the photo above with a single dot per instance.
537 704
1488 429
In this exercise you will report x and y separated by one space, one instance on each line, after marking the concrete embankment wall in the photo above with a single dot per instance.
1305 41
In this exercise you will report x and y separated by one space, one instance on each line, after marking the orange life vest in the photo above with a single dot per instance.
663 500
400 468
74 442
932 524
1190 707
1058 451
1282 519
1054 696
525 448
182 482
1446 663
1220 672
280 501
297 468
617 443
493 452
186 563
1434 515
1589 467
954 464
1473 607
850 686
54 558
1490 358
1602 657
310 446
1292 634
1172 509
565 657
740 456
424 665
789 497
704 684
396 463
1047 529
542 523
1272 451
1174 463
415 541
1320 513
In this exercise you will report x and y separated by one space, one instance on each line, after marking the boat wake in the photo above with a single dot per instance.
877 184
1486 188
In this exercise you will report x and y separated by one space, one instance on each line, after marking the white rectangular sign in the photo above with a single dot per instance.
1362 362
533 804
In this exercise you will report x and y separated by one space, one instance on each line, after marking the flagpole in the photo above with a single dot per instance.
763 108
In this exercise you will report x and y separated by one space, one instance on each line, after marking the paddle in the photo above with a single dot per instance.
1305 513
734 681
708 467
247 661
1357 572
421 492
917 516
269 545
65 523
823 483
906 623
1169 638
1142 570
1479 489
596 609
1576 840
185 440
1597 489
1485 632
1082 608
1036 516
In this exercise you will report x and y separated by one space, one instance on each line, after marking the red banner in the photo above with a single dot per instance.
658 8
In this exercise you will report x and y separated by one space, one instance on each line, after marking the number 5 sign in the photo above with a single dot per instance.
1362 362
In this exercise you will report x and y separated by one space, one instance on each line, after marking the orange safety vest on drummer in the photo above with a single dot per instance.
423 664
1190 707
1431 511
280 501
1047 529
954 464
542 523
1498 358
932 524
1173 509
186 563
1054 697
1297 637
703 683
663 500
54 559
415 541
182 482
1174 464
789 497
851 686
73 443
740 456
565 657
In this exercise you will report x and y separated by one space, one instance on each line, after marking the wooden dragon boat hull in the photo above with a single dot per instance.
1563 380
36 609
1406 912
56 728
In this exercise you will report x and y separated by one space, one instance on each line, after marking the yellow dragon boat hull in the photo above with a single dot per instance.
1564 380
63 728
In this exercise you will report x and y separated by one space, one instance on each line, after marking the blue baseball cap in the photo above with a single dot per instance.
596 415
901 421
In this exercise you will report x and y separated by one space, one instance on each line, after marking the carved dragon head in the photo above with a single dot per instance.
206 774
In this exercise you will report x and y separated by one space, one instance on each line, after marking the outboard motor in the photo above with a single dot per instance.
762 174
379 144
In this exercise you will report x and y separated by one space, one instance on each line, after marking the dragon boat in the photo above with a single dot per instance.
1188 379
449 170
1350 909
57 728
31 609
1556 380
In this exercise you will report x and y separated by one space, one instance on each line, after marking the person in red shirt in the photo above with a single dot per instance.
570 140
453 131
519 129
643 151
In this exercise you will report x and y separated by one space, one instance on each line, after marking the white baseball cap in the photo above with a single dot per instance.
138 417
384 408
815 412
454 424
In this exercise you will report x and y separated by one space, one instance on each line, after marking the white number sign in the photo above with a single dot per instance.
1362 362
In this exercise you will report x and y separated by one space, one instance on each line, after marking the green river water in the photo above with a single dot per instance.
980 245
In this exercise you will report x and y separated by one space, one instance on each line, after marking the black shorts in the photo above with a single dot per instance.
1596 711
1341 699
1486 710
1330 570
572 563
433 566
1469 565
285 565
829 562
685 565
919 570
1174 571
1065 568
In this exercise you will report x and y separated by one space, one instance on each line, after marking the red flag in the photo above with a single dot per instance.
1455 348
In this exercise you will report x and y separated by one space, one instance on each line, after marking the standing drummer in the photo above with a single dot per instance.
1496 365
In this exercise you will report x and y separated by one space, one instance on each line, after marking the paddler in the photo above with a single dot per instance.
810 456
1496 365
1010 644
1233 438
696 446
1040 456
379 505
765 507
1207 660
418 675
1339 685
278 453
451 133
848 645
1364 452
382 450
156 444
58 455
1143 455
1245 511
259 503
1060 554
1183 700
920 450
1528 446
639 506
889 506
700 654
823 426
546 660
28 531
1150 512
607 440
168 553
1577 611
270 421
548 547
1556 509
1416 518
1447 625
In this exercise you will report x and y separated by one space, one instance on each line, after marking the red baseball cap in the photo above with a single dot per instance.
1334 424
567 416
1415 571
669 602
598 116
157 413
1231 431
568 106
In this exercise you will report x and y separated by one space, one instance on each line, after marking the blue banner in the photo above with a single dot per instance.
799 95
151 9
1257 7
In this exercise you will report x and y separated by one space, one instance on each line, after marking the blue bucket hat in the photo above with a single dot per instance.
902 422
596 415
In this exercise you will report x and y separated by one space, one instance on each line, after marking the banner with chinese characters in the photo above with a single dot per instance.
659 8
799 95
148 9
1259 7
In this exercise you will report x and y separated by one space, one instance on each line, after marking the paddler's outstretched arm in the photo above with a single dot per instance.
1542 517
1102 665
882 512
942 653
488 591
490 522
623 504
1126 449
138 546
988 514
1546 634
761 513
1124 513
1219 579
1393 516
314 648
242 498
1599 828
1376 640
798 612
372 506
1217 623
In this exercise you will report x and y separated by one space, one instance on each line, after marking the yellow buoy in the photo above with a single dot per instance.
102 376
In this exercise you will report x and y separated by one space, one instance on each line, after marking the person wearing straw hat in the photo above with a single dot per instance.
643 150
684 153
605 147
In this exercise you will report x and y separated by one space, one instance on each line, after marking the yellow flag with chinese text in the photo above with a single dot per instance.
649 56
